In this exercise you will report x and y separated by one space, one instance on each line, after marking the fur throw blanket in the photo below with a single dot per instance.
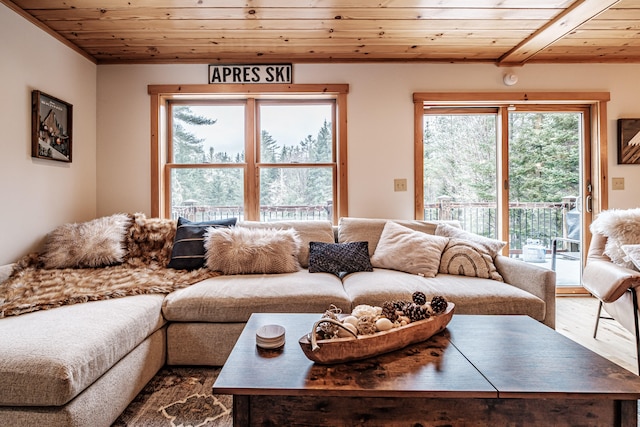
622 227
32 287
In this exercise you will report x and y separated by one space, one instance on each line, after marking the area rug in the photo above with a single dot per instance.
179 397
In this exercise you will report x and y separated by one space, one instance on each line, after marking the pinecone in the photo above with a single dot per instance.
400 305
389 311
416 312
419 298
438 304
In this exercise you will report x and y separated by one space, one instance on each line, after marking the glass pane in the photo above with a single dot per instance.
300 133
460 170
204 194
208 133
296 193
544 191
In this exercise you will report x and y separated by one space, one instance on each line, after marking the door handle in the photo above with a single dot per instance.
588 204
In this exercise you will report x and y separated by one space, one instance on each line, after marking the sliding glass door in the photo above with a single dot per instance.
515 173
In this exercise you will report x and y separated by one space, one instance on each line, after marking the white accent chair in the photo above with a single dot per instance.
616 288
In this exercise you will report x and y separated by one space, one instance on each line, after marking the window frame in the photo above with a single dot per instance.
161 95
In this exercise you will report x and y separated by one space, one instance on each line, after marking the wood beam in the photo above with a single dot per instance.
566 22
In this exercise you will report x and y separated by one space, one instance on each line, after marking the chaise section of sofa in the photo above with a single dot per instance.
81 364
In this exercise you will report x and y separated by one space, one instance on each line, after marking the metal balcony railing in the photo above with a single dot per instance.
541 222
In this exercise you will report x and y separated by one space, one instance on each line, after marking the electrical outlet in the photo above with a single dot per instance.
617 183
400 184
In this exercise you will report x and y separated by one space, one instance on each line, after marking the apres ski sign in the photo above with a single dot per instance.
248 73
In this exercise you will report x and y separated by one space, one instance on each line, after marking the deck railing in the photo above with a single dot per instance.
538 222
267 213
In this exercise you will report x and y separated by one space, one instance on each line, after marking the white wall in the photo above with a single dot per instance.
380 122
38 195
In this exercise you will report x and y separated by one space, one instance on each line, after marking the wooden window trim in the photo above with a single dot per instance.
160 94
595 101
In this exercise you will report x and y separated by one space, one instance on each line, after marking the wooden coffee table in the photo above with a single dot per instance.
482 370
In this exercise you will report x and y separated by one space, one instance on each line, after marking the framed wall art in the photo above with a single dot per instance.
51 127
628 141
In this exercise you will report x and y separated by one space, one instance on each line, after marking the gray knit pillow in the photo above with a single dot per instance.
339 258
240 250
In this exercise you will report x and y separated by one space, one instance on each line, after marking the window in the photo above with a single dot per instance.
276 153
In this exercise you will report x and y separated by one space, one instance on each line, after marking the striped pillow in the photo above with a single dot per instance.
188 245
467 258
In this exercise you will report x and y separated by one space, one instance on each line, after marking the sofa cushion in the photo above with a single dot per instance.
188 246
234 298
96 243
472 295
468 258
240 250
370 229
55 354
401 248
339 258
308 231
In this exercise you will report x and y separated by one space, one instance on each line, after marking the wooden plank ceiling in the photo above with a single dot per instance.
504 32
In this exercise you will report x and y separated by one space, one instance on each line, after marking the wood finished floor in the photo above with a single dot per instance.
575 318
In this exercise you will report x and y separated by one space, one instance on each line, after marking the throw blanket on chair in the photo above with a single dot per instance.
149 241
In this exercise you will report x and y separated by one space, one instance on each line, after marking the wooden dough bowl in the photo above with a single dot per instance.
347 349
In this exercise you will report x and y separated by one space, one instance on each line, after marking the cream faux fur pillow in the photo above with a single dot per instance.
622 227
95 243
239 250
401 248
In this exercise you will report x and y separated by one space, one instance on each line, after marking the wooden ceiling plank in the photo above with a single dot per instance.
306 43
223 13
124 4
569 20
183 36
380 25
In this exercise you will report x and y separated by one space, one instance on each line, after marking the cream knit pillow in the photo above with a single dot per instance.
401 248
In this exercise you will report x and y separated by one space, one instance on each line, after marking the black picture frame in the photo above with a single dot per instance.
51 127
628 141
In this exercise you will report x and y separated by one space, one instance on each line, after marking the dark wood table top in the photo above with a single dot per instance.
475 357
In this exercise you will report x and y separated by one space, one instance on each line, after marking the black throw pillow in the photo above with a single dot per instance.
188 245
339 258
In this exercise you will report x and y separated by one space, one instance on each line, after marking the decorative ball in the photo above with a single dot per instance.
366 325
344 334
351 319
383 324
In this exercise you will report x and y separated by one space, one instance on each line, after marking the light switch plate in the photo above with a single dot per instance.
617 183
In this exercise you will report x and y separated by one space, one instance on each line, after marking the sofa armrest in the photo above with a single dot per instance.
534 279
608 281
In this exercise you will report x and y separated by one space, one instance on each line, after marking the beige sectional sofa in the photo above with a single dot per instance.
82 364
